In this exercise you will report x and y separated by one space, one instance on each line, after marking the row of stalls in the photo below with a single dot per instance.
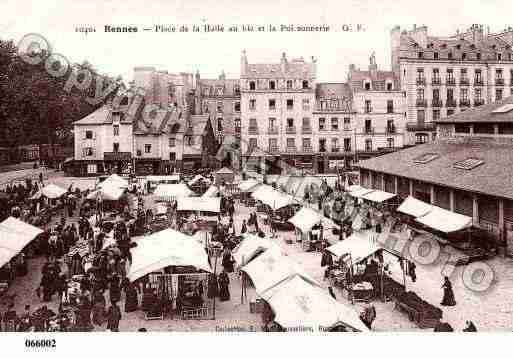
288 298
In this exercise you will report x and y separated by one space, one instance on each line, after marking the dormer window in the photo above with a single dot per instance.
430 46
449 55
367 86
458 46
390 86
499 57
252 85
289 84
236 90
272 85
421 55
463 56
305 84
478 56
435 55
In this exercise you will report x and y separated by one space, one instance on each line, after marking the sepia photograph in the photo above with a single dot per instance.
173 166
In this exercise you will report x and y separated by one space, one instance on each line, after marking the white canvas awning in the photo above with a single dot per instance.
204 204
297 303
250 246
166 248
445 221
249 185
378 196
274 199
212 191
272 268
115 181
360 192
414 207
164 179
50 191
359 246
14 236
172 191
109 192
306 218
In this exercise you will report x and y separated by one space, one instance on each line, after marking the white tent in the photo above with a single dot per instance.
114 180
14 236
297 303
359 246
272 268
212 191
166 248
360 192
249 185
204 204
414 207
378 196
250 246
164 179
50 191
306 218
444 220
172 191
109 191
274 199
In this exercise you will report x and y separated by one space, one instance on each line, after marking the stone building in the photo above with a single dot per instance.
443 75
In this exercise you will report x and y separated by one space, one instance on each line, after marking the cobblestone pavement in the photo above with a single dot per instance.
490 311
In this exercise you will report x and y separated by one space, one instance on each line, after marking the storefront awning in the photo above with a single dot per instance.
414 207
14 236
204 204
378 196
356 248
305 219
445 221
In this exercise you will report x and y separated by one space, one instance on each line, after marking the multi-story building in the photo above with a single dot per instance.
447 75
276 100
379 107
221 99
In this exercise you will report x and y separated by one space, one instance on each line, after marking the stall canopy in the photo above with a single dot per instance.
359 192
305 219
414 207
358 246
50 191
274 199
198 178
249 185
297 303
445 221
271 268
250 247
166 179
114 180
204 204
378 196
166 248
109 192
212 191
172 191
14 236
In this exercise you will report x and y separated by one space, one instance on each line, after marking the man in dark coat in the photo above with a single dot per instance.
114 316
224 291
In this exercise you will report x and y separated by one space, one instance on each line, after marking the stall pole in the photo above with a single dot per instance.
404 273
382 286
215 276
350 284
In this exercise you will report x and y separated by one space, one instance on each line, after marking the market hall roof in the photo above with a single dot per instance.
493 176
500 111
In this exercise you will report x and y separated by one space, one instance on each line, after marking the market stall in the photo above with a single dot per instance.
50 191
251 247
114 180
307 221
224 175
170 192
296 303
199 204
212 191
271 201
245 189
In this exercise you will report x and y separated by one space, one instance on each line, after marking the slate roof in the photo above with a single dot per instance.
228 86
293 69
332 89
483 113
494 177
98 117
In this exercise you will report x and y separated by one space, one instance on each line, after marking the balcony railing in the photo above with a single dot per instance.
464 81
290 130
290 149
421 103
436 102
499 82
390 130
420 126
450 81
436 81
478 102
322 149
478 82
421 81
335 149
368 130
306 130
272 131
368 109
464 103
450 102
347 128
307 149
390 110
237 130
272 149
347 149
253 130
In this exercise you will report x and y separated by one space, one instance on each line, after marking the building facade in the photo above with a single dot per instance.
446 75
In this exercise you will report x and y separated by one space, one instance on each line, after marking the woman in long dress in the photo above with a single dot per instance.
224 291
448 299
99 304
131 296
114 316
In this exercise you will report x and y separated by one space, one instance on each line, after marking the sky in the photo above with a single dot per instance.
210 53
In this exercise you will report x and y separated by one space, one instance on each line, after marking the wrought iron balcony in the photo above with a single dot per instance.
450 102
307 149
464 103
253 130
291 149
347 149
272 131
478 82
306 130
290 130
464 81
421 81
421 103
436 102
368 130
390 130
420 126
335 149
390 110
499 82
272 149
478 102
368 109
436 81
450 81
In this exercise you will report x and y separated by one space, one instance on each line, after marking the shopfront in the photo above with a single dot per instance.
117 162
147 166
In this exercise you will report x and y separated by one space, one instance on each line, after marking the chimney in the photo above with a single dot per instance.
222 76
283 62
243 63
